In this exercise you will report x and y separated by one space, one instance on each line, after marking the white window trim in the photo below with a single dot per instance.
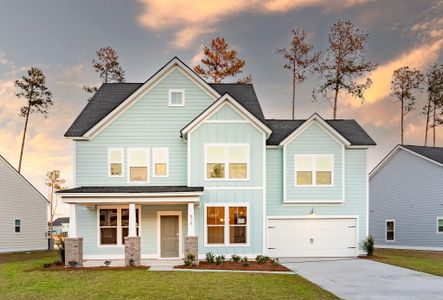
153 161
182 91
226 163
386 230
122 151
226 225
119 224
314 169
21 225
148 165
439 218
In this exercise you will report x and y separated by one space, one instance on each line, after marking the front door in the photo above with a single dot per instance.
169 236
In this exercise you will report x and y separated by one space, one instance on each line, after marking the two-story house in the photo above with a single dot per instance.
177 165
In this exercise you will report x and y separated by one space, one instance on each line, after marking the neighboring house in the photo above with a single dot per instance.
181 162
406 199
23 212
60 226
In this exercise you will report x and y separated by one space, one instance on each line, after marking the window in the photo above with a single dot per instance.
114 225
176 97
390 230
138 162
440 225
228 162
17 225
115 162
313 170
222 231
160 157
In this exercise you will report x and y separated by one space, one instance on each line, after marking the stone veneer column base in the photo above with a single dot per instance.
74 252
132 251
191 247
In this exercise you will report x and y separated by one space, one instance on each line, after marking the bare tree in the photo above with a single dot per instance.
405 84
108 67
434 80
343 65
220 62
299 59
39 99
55 183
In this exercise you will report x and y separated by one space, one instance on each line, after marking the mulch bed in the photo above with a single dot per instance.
237 266
57 266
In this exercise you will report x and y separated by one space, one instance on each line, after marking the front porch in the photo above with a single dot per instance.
131 228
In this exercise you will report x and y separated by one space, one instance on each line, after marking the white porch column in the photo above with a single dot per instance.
72 230
132 221
191 221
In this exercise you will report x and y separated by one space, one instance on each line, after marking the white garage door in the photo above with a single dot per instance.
312 237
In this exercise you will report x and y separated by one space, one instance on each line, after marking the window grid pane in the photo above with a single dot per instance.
390 231
116 169
176 98
160 169
238 170
215 170
323 177
440 225
304 177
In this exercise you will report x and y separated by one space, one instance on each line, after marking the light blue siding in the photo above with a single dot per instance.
149 122
409 190
355 190
314 140
226 113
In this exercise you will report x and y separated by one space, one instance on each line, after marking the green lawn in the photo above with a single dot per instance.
19 279
424 261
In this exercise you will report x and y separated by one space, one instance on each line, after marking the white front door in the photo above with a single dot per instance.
312 237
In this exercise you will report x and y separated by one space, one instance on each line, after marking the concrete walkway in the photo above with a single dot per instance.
355 278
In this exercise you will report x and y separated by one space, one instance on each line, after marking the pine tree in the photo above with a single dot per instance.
220 62
39 99
434 105
55 183
343 65
299 59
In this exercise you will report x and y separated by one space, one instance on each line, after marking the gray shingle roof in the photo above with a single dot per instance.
349 129
434 153
131 189
60 221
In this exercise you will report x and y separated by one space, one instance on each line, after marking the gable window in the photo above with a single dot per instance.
114 225
226 224
227 161
115 162
176 97
390 230
138 164
313 170
440 225
160 158
17 225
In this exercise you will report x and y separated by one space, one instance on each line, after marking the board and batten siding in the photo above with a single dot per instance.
355 190
314 140
409 190
18 199
149 122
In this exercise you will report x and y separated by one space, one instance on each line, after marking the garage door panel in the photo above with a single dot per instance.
312 237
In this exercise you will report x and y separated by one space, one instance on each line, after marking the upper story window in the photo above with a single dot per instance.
226 162
17 225
138 164
115 162
313 170
176 97
390 230
160 158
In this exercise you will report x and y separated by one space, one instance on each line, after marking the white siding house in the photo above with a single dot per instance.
23 212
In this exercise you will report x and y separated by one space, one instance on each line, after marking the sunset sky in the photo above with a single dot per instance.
61 38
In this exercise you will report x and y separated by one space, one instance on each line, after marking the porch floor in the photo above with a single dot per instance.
155 264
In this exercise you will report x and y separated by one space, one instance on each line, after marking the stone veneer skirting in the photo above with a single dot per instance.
132 251
191 246
74 251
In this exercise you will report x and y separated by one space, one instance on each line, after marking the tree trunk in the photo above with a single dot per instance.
335 101
24 137
293 91
401 121
434 125
428 112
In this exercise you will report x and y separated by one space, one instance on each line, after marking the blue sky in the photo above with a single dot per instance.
61 38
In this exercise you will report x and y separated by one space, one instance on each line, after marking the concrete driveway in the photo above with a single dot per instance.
354 278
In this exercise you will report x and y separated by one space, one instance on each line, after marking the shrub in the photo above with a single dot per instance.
235 258
210 257
219 260
245 261
61 248
261 259
107 263
189 260
368 245
275 262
